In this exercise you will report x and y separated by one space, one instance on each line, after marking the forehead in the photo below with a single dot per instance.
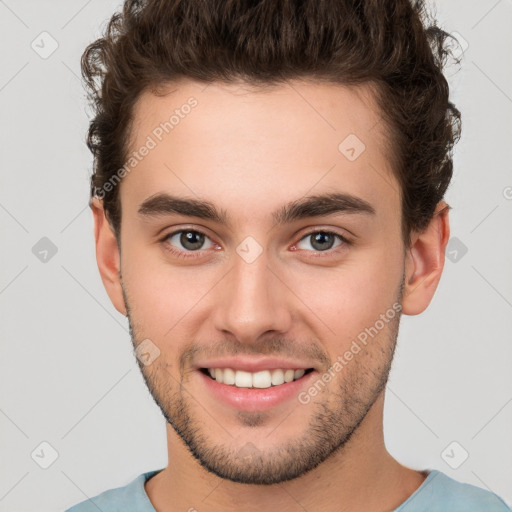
237 144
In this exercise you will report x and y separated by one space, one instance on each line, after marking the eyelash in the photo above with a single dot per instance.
195 254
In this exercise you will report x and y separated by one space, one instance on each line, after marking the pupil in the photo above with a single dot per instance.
192 240
319 238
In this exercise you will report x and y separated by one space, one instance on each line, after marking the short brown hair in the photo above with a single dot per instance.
386 43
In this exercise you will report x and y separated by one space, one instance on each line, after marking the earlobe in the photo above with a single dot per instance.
107 256
424 262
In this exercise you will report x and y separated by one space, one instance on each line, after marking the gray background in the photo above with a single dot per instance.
67 373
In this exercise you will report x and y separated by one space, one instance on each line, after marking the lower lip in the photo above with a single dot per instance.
256 399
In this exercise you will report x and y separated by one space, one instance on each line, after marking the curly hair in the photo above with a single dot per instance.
395 46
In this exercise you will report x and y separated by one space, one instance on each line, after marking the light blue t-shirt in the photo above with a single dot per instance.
438 493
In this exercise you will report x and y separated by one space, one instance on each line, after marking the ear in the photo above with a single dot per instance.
108 255
424 262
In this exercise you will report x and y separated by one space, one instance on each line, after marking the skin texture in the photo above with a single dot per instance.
249 152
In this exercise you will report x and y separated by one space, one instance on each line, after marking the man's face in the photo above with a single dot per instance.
254 289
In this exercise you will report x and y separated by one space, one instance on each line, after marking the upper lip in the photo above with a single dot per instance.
254 365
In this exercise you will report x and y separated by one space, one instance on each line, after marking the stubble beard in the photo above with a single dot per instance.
334 417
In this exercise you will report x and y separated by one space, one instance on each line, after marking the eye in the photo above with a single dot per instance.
188 240
321 241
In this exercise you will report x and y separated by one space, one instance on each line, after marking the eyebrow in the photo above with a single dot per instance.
310 206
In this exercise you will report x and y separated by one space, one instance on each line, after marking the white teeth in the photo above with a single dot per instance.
288 375
229 376
262 379
298 374
242 379
277 377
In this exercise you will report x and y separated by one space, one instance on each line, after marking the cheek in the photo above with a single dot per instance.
351 297
160 296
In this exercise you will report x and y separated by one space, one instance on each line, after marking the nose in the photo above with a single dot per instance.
252 301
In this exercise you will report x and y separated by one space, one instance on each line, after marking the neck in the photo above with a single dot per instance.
360 476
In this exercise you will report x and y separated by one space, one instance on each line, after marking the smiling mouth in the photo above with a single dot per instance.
256 380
